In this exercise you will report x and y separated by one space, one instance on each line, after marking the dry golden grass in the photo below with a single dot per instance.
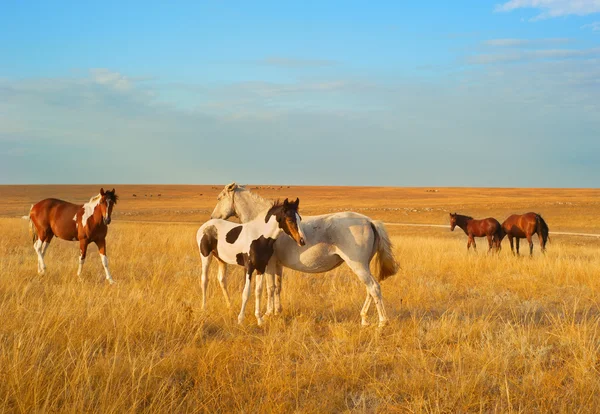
468 332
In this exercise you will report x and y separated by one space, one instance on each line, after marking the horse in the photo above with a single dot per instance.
250 245
86 223
523 227
331 239
488 227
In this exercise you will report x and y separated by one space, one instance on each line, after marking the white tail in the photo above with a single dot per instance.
385 261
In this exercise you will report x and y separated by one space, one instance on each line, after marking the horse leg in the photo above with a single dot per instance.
530 245
204 279
245 293
468 243
258 287
365 309
474 245
518 242
270 273
102 250
373 287
222 276
489 239
278 286
83 244
512 247
40 246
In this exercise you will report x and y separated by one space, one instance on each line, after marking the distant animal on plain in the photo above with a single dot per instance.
249 244
524 226
488 227
86 223
331 239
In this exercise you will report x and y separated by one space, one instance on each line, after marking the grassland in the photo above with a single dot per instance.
468 332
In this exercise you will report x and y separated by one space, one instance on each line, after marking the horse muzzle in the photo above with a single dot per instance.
107 220
301 242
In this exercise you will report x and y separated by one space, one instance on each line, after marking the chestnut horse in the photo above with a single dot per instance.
488 227
87 223
523 227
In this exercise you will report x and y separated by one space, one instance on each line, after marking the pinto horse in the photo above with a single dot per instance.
86 223
524 227
331 239
488 227
250 245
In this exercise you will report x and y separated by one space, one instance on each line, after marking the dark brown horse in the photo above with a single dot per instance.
488 227
86 223
523 227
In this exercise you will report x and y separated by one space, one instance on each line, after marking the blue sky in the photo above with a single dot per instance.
351 93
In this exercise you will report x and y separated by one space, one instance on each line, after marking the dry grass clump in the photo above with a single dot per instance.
468 332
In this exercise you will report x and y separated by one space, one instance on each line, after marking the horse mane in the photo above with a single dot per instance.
254 196
112 196
94 198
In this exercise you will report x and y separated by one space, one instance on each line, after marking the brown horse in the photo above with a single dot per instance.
87 223
523 227
488 227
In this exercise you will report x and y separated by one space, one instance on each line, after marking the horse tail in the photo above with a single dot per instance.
542 229
385 261
32 232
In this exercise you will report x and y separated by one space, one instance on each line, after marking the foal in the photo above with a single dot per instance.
489 227
250 245
86 223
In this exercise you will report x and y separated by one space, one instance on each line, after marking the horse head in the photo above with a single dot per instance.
107 202
289 220
452 221
225 207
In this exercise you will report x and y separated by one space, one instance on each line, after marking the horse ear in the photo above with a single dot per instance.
286 203
232 186
113 190
297 202
101 191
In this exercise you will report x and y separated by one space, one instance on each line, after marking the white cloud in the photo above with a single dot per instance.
552 8
594 27
525 42
530 55
107 77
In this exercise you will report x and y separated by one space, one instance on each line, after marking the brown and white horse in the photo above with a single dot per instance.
86 223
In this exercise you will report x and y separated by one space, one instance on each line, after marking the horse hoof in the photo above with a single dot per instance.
240 320
260 322
383 323
365 323
111 282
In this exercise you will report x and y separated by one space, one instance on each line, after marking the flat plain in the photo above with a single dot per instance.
468 331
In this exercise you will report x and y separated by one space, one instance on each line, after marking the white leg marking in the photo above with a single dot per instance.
204 282
258 293
81 262
223 282
38 246
105 265
245 297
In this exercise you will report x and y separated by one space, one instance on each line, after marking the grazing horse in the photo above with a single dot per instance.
86 223
250 245
331 239
523 227
488 227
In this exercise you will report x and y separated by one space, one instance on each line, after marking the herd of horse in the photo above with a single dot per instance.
516 227
270 236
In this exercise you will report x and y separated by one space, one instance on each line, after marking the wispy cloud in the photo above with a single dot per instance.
594 27
295 63
530 55
508 42
552 8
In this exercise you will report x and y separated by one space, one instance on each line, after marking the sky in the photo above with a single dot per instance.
385 93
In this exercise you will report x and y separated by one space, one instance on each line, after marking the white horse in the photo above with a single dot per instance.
249 245
331 239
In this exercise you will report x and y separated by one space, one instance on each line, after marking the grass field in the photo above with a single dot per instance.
468 331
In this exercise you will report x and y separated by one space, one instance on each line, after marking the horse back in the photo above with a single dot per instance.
56 216
520 225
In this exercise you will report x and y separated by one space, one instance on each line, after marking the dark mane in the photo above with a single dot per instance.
112 196
277 210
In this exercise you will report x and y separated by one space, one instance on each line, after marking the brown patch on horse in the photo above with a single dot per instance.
261 251
209 241
241 258
233 234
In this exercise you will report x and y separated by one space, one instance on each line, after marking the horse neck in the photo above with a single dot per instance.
268 229
248 205
462 222
93 220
